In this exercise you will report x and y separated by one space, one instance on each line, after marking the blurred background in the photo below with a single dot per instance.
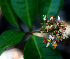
63 46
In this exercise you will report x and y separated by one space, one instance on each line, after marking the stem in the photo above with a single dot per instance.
32 32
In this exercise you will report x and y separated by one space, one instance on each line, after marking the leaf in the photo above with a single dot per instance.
1 50
8 12
36 49
49 8
26 10
10 37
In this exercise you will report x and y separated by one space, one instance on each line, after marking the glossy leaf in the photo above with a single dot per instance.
49 8
10 37
8 12
26 10
35 48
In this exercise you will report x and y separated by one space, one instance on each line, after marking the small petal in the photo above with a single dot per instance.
58 18
44 19
48 44
51 18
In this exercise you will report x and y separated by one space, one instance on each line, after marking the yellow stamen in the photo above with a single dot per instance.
43 16
49 26
49 39
63 24
67 36
45 28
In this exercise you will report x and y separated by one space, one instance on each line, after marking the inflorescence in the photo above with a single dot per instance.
57 30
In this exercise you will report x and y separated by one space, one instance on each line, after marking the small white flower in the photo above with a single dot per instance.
64 35
58 18
54 43
48 44
47 26
51 37
51 18
62 25
60 30
64 32
57 23
51 25
57 35
44 17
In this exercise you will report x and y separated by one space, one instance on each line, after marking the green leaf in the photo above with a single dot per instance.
36 49
1 50
26 10
10 37
8 12
49 8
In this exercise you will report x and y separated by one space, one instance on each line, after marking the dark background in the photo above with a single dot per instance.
63 46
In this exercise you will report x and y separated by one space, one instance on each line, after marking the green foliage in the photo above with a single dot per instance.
36 49
1 50
26 10
49 8
8 12
10 37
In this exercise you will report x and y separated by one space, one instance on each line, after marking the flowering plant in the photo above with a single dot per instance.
22 36
57 30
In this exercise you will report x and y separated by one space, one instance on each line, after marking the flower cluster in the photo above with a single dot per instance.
57 30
